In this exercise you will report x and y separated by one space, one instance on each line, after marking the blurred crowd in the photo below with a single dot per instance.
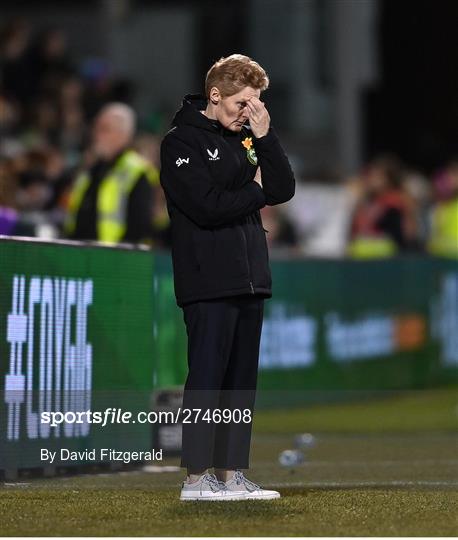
48 109
51 106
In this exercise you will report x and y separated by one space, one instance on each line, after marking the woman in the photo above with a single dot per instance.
221 163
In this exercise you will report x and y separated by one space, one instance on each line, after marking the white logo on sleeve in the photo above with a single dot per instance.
180 161
213 155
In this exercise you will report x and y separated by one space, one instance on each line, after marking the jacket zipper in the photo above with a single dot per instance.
247 260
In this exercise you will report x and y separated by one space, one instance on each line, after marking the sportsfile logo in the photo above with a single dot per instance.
50 360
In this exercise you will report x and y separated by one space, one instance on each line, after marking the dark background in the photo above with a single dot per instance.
414 109
343 88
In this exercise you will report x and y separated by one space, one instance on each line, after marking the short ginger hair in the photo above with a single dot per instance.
233 73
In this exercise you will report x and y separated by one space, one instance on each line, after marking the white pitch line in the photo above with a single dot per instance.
382 483
385 462
314 462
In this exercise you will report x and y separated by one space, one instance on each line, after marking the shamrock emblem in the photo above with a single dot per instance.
250 153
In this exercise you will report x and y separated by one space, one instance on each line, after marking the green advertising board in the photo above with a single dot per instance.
336 328
75 335
85 327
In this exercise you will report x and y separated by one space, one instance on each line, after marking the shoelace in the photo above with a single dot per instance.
212 481
239 477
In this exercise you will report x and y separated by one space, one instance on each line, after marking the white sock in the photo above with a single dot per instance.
192 478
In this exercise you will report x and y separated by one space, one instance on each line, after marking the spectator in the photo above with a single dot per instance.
43 124
50 62
148 146
8 186
72 134
111 200
23 194
418 187
14 61
45 106
444 214
10 119
383 222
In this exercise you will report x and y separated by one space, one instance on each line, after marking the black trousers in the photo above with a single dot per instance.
223 353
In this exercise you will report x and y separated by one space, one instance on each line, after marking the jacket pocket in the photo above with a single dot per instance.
221 253
204 249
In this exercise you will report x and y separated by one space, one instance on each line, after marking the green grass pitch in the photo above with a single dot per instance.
385 467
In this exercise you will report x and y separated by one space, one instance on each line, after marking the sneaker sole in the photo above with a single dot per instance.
262 497
244 497
209 498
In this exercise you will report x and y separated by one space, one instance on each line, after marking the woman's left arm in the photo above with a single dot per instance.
277 176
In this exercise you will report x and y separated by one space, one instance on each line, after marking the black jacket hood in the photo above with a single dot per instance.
190 114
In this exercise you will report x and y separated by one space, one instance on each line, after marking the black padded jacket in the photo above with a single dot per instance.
219 246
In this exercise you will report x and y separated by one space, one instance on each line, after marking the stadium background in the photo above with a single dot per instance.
361 353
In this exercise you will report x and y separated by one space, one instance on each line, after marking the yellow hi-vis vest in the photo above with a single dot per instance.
444 229
112 196
372 247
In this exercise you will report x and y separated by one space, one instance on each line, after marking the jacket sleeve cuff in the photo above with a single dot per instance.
267 139
258 193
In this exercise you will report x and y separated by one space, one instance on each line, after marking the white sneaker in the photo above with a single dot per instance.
206 488
243 489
